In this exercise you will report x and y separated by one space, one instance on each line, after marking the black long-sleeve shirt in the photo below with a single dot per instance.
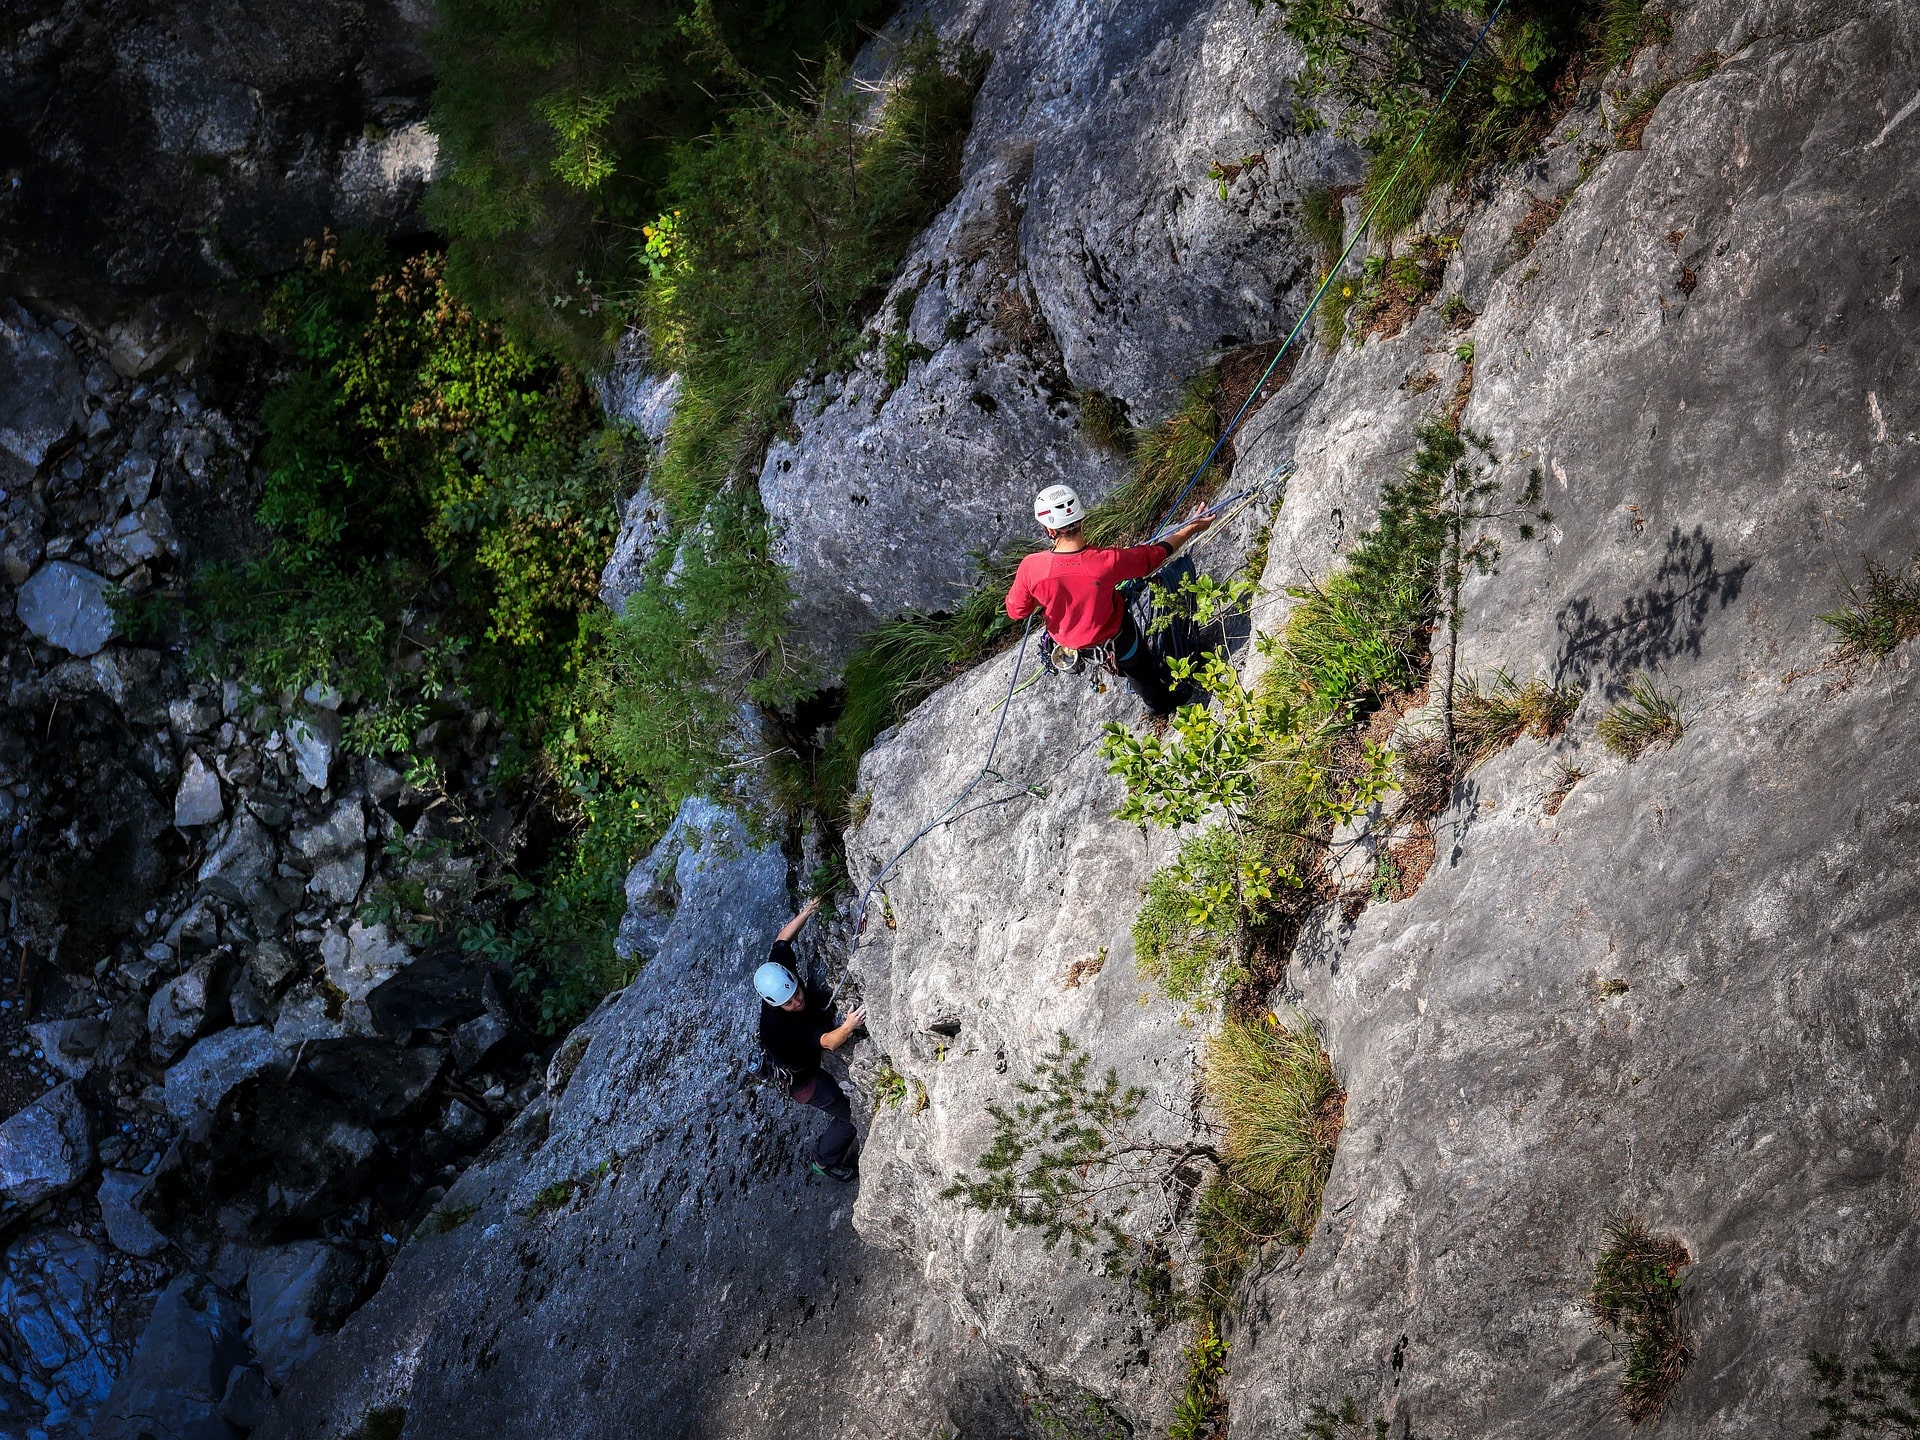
792 1037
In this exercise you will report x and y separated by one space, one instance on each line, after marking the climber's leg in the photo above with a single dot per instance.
1135 657
834 1149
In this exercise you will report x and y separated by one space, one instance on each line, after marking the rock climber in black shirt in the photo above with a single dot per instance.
795 1026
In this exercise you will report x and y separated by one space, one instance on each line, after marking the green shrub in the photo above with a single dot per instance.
1645 718
1185 936
1275 1088
1636 1300
1201 1405
555 119
1882 617
1878 1396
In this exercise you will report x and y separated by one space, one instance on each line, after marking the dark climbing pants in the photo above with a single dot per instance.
835 1147
1135 657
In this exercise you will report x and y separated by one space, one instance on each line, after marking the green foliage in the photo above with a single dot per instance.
1324 219
1275 1088
1635 1298
889 1087
1377 73
1104 421
786 226
1342 1422
1201 1404
1489 717
1165 457
1879 618
1878 1396
1643 719
555 119
1086 1417
444 1219
1186 934
1059 1154
1626 26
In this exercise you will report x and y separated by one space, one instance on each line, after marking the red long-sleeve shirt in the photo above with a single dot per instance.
1077 591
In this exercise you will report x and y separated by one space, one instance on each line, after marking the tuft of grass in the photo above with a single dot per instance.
384 1423
1644 719
1342 1422
1399 286
551 1198
1323 218
1165 458
1275 1088
1489 717
1188 948
1878 618
1627 26
447 1218
1635 1299
1104 421
1566 775
1535 223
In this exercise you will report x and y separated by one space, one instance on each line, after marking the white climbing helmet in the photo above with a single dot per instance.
775 983
1058 508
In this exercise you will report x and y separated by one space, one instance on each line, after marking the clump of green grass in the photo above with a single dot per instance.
1644 719
1878 618
1636 1301
1626 26
1324 220
1165 458
1342 1422
1491 716
1274 1087
444 1219
1104 421
1183 946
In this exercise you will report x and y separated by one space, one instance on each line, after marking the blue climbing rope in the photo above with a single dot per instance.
1333 270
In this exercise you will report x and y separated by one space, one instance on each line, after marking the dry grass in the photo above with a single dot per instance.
1636 1301
1404 285
1274 1087
1491 716
1535 223
1644 719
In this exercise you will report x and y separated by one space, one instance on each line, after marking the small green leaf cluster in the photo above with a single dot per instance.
1200 1402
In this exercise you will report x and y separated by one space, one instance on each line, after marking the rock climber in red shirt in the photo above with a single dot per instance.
1073 584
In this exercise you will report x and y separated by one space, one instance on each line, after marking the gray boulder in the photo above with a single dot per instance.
144 535
47 1148
643 525
57 1353
39 385
247 1401
69 1045
295 1294
66 606
243 860
128 1227
314 739
173 1387
185 1007
198 1081
197 800
335 849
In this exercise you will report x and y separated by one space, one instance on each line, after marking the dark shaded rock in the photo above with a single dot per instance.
39 386
474 1041
247 1400
128 1227
216 1065
372 1080
173 1387
439 989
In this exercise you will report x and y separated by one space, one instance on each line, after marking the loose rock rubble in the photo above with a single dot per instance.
225 1095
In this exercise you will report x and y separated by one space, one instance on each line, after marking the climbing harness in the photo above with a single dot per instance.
1226 509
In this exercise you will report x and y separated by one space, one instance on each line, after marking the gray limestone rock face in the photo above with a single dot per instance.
243 860
629 1244
314 739
197 1082
173 1386
127 1225
1088 249
197 800
294 1293
66 605
45 1148
185 1007
69 1045
57 1360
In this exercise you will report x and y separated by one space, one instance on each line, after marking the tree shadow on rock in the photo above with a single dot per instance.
1662 622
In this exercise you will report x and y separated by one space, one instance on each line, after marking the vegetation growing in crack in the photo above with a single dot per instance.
1636 1301
1289 762
1642 719
1880 615
1343 1421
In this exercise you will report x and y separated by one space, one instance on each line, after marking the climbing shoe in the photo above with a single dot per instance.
842 1173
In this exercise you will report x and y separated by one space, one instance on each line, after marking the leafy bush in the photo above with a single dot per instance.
1645 718
1200 1404
1275 1088
1636 1300
555 119
1186 934
1883 616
